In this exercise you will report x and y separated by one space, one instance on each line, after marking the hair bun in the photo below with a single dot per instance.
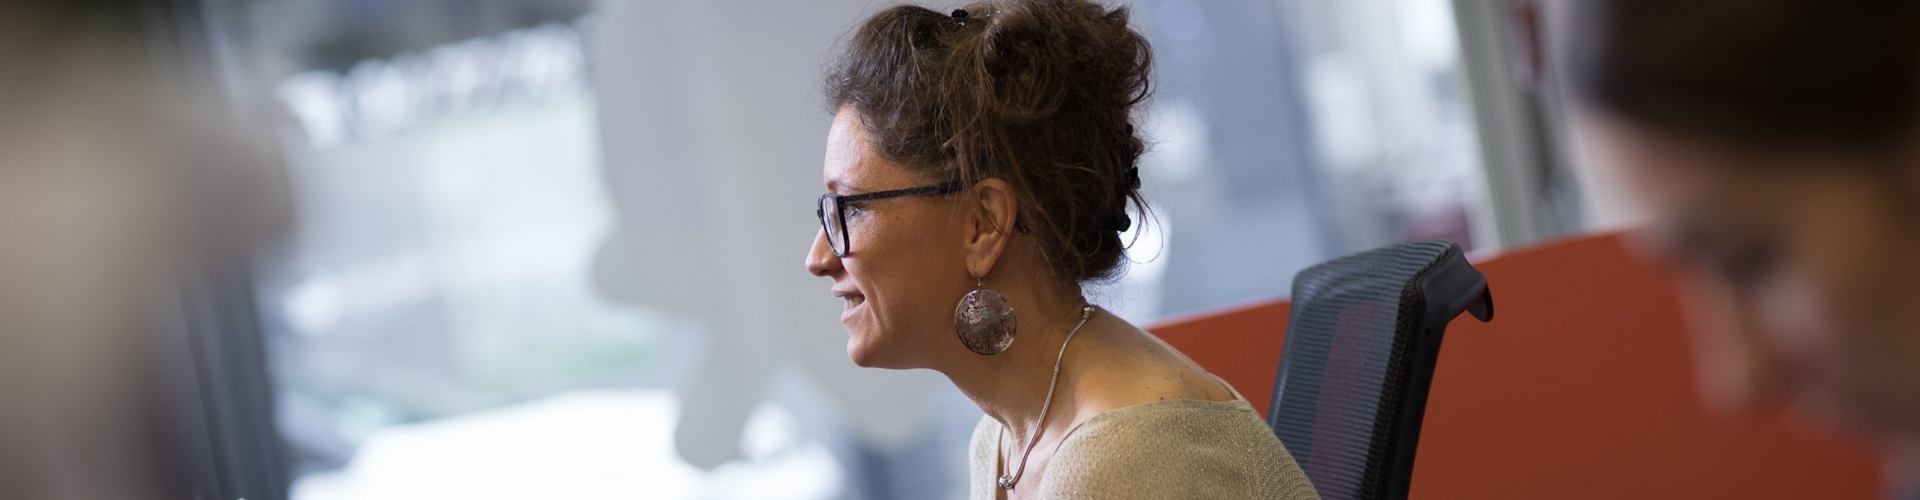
1119 222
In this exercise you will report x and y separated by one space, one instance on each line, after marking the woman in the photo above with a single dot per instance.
1776 145
979 171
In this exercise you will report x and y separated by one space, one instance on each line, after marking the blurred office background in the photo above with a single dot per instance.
552 248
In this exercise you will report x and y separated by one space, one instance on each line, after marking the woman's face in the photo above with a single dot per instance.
905 266
1801 273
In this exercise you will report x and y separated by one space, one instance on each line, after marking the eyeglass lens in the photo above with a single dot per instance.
830 219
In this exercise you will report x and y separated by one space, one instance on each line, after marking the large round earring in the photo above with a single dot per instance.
984 320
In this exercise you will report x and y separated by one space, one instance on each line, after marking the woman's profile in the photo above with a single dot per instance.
980 170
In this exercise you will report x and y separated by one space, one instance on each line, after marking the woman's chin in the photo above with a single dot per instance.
867 354
862 353
859 357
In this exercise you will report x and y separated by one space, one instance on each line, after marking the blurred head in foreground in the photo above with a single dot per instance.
110 184
1773 143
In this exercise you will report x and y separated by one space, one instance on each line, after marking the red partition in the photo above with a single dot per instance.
1578 389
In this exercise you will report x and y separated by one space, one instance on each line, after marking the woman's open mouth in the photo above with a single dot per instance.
853 300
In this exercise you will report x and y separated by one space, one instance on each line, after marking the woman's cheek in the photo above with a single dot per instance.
1793 315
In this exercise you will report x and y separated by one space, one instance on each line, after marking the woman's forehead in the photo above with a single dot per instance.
851 163
847 138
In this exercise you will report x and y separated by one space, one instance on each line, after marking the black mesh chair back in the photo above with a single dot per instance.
1362 339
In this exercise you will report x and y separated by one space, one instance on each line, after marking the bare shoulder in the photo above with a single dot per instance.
1125 366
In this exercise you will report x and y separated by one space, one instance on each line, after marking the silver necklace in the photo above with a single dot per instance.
1007 481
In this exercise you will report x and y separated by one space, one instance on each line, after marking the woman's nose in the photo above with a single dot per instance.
820 258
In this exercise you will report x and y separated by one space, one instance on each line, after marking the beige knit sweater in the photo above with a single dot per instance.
1179 448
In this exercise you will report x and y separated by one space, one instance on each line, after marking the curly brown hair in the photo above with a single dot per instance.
1038 93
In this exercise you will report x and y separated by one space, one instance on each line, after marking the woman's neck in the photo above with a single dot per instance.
1012 386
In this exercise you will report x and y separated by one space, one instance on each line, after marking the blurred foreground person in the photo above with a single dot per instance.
1774 144
108 188
981 168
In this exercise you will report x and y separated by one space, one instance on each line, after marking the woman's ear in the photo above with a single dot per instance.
990 221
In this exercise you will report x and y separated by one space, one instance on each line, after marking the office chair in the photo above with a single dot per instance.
1362 339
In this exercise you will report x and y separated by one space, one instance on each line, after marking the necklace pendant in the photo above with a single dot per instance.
1006 482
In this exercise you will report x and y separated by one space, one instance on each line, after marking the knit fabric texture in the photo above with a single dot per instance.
1181 448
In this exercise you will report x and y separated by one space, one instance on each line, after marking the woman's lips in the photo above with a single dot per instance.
853 300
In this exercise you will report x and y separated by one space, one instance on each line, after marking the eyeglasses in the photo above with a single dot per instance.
833 210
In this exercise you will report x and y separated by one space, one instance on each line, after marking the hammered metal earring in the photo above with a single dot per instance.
984 320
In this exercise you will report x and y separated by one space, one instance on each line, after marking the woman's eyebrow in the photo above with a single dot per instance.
1687 235
844 188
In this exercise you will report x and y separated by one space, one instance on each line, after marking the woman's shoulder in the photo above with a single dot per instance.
1176 448
1136 367
983 454
1185 423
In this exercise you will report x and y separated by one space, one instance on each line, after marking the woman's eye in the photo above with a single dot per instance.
1746 264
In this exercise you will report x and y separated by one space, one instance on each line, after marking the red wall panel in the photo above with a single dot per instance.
1580 388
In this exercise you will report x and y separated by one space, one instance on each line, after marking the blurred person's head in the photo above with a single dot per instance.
1774 145
112 181
1024 108
36 32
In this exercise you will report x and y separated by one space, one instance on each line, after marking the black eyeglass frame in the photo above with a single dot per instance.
840 248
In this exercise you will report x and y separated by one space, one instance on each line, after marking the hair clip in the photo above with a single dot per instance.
1119 222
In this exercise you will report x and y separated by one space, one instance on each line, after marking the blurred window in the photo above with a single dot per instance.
1289 132
433 324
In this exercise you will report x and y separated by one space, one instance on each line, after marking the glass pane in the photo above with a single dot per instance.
1290 132
551 248
497 288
